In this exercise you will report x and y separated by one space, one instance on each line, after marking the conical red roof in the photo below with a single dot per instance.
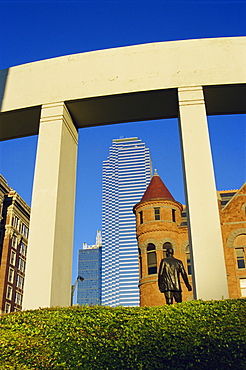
156 189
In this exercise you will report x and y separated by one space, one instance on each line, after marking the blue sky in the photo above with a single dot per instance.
36 30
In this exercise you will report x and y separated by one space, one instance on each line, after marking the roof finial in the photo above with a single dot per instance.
155 172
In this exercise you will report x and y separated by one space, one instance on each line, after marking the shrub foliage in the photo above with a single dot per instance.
189 335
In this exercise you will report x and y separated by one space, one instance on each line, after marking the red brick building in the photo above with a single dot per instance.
161 222
14 228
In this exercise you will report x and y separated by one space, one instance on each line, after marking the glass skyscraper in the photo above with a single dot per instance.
126 174
90 268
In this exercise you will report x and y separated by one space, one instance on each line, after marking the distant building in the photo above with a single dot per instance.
126 174
14 228
161 223
90 269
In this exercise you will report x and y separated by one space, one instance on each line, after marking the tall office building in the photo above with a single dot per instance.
126 174
89 268
14 229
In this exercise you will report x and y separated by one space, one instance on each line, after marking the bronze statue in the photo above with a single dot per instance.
169 277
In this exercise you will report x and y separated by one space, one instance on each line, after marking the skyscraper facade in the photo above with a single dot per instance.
89 268
14 230
126 174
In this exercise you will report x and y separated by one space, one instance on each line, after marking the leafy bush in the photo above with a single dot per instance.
197 334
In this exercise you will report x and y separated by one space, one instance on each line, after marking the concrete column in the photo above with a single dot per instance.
203 215
49 258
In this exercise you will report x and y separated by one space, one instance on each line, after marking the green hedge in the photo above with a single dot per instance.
197 335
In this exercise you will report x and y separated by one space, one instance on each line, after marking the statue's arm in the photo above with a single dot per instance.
160 274
185 277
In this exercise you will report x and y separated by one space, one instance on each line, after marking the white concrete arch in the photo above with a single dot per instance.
187 79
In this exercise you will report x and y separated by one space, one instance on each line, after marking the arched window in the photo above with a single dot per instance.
151 259
239 244
151 247
165 247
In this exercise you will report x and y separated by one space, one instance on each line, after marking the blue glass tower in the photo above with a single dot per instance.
90 268
126 174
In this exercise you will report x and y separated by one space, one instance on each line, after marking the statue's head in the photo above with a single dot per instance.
169 252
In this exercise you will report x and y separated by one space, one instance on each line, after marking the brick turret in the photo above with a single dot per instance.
159 225
158 220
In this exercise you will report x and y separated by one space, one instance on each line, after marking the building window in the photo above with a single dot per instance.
240 258
141 217
174 215
19 282
243 287
188 260
14 241
15 222
140 262
12 258
151 259
18 298
24 230
157 213
21 265
23 248
7 307
9 292
11 276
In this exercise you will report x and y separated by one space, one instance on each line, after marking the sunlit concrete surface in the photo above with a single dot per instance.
98 85
49 265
